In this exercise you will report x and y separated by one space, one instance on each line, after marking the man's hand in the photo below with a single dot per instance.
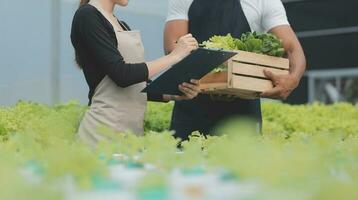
189 90
283 85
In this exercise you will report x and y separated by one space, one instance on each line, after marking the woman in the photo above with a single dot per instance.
112 59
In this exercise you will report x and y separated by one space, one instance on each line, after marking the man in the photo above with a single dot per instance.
205 18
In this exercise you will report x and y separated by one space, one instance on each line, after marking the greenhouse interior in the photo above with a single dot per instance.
179 100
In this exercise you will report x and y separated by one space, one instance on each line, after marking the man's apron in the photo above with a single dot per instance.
206 19
121 109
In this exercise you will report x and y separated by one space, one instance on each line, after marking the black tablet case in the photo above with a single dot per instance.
195 66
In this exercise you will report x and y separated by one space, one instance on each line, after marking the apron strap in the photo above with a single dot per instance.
123 25
97 5
217 17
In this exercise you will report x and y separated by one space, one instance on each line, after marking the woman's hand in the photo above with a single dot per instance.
185 45
189 90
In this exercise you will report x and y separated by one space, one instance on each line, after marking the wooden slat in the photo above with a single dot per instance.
240 91
255 70
244 94
221 91
212 86
251 84
260 59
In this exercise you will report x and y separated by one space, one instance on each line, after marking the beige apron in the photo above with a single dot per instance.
121 109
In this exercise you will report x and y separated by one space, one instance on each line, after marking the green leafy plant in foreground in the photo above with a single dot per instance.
13 185
305 152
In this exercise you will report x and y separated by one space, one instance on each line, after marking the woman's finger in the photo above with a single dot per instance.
187 36
178 98
192 93
194 44
193 87
194 81
184 92
191 40
191 45
187 91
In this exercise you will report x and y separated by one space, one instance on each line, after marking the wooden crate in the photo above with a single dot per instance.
245 77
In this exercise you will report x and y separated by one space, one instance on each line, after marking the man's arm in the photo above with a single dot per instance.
285 84
172 32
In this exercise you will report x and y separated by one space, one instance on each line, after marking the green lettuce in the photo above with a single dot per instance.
261 43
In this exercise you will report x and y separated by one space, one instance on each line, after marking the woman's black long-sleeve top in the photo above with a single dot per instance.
95 43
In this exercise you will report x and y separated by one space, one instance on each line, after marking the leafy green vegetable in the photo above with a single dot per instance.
221 42
262 43
220 68
240 45
254 45
269 45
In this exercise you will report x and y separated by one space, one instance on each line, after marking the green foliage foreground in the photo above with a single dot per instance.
305 152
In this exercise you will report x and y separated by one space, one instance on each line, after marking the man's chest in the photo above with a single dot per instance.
252 10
